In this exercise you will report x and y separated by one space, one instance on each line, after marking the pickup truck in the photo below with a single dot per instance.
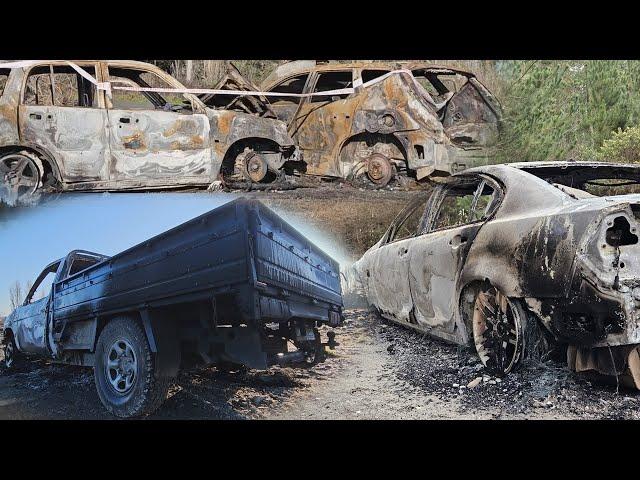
233 287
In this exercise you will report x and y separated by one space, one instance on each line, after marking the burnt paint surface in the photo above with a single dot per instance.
101 148
336 136
540 245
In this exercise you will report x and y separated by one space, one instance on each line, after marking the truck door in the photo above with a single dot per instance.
32 322
64 113
160 138
322 123
388 267
455 215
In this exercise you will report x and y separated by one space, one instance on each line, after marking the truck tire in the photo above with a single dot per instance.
124 370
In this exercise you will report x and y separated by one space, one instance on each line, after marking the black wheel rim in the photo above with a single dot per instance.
497 331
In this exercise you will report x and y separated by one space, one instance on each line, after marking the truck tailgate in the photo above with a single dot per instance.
285 258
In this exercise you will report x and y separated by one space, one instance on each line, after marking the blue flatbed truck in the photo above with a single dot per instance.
237 286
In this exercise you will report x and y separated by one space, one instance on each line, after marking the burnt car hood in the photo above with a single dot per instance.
234 80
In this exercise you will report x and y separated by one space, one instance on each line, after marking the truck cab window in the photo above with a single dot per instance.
42 285
332 81
81 263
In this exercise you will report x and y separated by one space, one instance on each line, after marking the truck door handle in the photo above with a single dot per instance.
125 119
35 116
403 251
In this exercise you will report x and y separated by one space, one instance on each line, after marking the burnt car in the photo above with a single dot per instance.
431 121
519 260
58 130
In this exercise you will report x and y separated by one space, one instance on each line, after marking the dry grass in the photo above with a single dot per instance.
356 219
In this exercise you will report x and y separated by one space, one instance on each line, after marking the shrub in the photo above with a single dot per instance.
623 146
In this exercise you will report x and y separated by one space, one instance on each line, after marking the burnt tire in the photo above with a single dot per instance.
124 370
12 357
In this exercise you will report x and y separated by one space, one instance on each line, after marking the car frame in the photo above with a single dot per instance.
88 138
538 264
393 126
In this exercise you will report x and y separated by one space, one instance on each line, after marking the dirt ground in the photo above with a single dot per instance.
379 371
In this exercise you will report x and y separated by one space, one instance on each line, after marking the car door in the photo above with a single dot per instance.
387 269
322 123
156 138
64 113
455 214
31 328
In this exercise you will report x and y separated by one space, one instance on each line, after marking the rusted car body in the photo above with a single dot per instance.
514 257
58 130
436 121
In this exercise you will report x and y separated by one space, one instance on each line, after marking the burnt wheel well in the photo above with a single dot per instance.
8 334
347 150
51 174
466 303
257 144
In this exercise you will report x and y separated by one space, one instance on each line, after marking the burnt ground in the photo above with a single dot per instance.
379 371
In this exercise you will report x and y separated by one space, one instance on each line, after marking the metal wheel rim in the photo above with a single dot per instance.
8 354
497 331
20 174
256 167
379 169
121 367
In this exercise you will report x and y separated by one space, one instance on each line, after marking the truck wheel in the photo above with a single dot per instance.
12 356
124 370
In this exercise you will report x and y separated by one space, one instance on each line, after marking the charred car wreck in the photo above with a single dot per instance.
422 120
235 286
58 130
519 259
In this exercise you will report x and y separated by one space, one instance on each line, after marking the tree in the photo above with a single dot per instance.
17 293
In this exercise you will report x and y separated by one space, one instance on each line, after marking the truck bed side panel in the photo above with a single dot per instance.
205 254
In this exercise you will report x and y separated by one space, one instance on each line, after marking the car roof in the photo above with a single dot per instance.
301 66
551 167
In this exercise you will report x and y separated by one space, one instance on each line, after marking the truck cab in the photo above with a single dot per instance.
31 325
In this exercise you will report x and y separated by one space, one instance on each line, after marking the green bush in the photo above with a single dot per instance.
623 146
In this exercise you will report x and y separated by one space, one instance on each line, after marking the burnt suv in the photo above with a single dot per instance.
58 130
434 121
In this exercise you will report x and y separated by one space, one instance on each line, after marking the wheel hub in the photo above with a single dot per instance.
256 167
379 169
121 366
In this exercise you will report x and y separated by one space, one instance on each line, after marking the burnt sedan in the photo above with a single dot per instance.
517 260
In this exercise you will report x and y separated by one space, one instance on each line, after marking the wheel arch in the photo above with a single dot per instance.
265 144
50 165
362 136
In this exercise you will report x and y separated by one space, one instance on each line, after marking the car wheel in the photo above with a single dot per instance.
498 330
124 370
20 176
12 356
